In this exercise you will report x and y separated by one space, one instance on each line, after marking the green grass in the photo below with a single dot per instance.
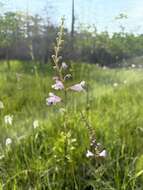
35 159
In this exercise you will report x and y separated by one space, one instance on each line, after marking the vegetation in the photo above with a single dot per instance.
35 157
29 37
73 125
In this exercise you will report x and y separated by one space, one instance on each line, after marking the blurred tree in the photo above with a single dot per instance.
10 31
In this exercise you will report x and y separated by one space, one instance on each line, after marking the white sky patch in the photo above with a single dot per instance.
101 13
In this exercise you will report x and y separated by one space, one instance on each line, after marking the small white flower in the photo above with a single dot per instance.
8 119
89 154
1 105
103 154
8 141
133 65
35 124
115 84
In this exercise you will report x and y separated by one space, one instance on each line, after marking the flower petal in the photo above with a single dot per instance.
58 85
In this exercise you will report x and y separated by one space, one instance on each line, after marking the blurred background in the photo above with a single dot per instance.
107 33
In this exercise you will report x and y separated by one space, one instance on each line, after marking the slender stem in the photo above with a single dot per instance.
56 59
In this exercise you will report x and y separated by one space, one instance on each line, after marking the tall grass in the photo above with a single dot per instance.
34 159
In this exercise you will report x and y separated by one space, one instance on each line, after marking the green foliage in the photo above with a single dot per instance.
35 158
29 37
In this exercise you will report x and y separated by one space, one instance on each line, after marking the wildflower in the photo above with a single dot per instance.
1 105
89 154
78 87
35 124
115 84
8 141
64 65
53 99
8 119
58 85
103 154
133 65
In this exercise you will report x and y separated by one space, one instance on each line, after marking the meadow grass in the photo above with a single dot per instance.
34 159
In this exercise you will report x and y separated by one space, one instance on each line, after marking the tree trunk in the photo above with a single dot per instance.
73 20
72 26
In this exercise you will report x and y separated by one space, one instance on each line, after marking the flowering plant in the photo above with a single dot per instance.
60 84
62 74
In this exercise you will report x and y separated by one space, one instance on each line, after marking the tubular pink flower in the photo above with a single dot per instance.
58 85
52 99
78 87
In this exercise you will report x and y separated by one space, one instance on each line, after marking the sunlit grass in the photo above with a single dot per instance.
34 158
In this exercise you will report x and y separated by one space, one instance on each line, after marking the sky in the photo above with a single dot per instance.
100 13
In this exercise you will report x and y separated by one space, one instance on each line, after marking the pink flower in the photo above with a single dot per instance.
52 99
78 87
58 85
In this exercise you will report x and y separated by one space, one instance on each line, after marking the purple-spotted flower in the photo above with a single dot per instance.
53 99
78 87
58 85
